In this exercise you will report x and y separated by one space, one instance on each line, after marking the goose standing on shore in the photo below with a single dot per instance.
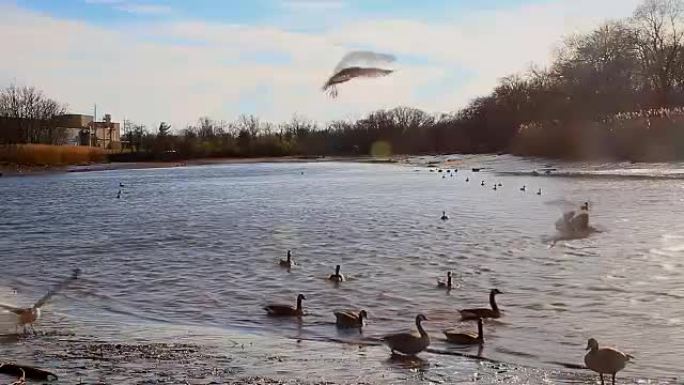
26 317
277 310
289 262
346 319
466 338
408 343
337 277
445 284
475 313
605 360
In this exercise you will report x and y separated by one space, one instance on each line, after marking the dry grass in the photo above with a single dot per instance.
47 155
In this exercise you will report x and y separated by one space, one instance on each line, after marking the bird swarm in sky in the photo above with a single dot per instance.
358 64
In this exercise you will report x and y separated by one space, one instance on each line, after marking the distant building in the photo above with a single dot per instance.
81 130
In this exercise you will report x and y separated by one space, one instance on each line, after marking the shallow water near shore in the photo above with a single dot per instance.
189 255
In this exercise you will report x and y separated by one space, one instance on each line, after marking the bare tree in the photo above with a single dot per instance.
660 32
34 113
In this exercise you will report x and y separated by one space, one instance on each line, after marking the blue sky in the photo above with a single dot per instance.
177 60
257 11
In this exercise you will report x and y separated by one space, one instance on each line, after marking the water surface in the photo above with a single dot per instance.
197 249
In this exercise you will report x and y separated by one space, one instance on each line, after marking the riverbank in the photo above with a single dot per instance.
12 169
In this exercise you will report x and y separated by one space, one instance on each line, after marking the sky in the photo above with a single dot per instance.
177 60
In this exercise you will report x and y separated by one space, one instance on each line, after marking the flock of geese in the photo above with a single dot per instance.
495 187
606 361
601 360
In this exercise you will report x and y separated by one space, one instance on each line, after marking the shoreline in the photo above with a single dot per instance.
14 170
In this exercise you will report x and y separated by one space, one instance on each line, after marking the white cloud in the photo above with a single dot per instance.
313 5
133 7
135 72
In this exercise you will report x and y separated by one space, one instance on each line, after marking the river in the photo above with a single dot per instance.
190 255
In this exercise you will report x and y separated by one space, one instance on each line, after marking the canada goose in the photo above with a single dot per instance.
523 188
494 312
500 185
466 338
286 310
467 179
445 284
337 277
347 319
409 343
118 195
121 184
494 188
539 192
444 216
289 262
482 183
26 317
605 360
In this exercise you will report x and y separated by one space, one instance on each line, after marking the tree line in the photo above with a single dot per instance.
28 116
612 92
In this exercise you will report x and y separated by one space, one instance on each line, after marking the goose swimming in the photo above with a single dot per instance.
523 188
337 277
494 312
444 216
539 192
574 223
445 284
482 183
348 319
289 262
26 317
605 360
277 310
408 343
466 338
